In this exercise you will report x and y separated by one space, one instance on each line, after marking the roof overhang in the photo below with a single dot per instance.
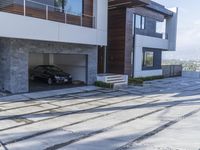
113 4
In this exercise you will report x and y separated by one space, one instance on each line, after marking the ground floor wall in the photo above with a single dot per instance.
14 60
152 44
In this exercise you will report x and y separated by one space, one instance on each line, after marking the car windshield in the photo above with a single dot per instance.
53 68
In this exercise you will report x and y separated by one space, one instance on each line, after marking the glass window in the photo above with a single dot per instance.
143 23
148 59
74 6
140 22
133 25
70 6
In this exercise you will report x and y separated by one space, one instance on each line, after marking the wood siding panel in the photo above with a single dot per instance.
116 41
88 13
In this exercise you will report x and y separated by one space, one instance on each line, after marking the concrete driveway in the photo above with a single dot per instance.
162 115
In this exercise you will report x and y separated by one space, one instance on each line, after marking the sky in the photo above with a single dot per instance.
188 36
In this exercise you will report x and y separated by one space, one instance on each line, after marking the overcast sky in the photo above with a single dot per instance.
188 40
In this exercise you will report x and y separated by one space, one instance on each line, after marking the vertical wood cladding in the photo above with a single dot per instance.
116 40
128 67
88 7
88 13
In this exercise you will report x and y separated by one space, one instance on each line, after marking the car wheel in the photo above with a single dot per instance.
50 82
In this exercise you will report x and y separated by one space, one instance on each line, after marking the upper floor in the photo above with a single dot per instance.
156 21
73 21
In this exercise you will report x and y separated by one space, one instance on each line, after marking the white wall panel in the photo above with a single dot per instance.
17 26
148 42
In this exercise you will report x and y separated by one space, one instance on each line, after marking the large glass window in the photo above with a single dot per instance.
140 22
148 59
70 6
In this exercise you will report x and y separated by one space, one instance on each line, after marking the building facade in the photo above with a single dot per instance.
137 36
65 33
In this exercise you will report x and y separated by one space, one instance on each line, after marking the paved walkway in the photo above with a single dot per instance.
162 115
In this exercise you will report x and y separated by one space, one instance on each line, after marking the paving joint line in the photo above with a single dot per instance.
65 114
158 130
44 132
61 145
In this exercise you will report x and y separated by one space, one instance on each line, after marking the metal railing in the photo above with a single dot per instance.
35 9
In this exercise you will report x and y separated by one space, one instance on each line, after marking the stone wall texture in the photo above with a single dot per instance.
14 60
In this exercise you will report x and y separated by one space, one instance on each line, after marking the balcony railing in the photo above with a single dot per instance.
44 11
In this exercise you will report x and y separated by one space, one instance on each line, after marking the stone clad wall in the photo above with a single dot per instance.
14 60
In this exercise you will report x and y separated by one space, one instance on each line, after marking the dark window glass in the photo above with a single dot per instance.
148 59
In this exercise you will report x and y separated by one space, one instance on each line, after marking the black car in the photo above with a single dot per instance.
50 74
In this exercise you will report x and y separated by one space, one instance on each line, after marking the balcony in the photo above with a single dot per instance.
35 9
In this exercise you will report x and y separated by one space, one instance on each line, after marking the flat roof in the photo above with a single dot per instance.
159 8
113 4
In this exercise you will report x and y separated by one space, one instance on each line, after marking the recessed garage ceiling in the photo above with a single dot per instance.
113 4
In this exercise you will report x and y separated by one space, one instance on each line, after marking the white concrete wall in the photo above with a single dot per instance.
171 29
102 21
148 42
23 27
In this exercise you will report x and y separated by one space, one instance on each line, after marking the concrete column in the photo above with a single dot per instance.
92 67
14 65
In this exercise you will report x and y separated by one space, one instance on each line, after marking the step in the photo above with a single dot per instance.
116 81
117 76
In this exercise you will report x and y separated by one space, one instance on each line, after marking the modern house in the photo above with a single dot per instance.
73 34
137 36
66 33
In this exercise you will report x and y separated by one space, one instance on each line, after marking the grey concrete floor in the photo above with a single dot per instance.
161 115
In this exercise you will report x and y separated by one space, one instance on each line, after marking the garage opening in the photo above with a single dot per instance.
73 64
